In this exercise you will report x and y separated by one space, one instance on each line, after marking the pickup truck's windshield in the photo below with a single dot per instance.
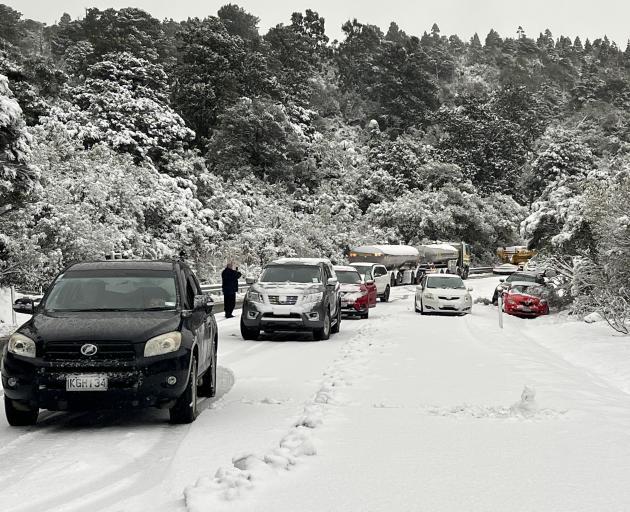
291 273
109 290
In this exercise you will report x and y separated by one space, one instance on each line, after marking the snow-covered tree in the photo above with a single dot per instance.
18 178
124 103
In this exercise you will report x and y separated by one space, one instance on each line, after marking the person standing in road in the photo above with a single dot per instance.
229 280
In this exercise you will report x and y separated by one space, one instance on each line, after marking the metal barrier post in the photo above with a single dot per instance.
500 310
13 315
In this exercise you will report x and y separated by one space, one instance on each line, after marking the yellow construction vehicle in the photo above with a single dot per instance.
516 255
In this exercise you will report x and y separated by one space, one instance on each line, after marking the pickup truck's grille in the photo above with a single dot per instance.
71 351
283 300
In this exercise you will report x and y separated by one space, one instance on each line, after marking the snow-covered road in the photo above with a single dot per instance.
401 412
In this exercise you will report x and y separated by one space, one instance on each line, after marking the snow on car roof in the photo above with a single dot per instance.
300 261
344 268
394 250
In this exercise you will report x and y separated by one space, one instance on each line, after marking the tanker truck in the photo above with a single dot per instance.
395 258
451 257
407 264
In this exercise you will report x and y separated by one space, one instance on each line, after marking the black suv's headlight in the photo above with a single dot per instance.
163 344
21 345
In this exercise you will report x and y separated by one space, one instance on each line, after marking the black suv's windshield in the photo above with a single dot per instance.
292 273
348 277
445 282
519 276
113 290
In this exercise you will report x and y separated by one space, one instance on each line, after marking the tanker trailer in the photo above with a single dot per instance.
453 257
395 258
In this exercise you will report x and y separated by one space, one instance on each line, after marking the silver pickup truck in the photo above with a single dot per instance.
293 294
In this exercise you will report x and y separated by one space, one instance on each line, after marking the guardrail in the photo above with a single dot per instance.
215 289
480 270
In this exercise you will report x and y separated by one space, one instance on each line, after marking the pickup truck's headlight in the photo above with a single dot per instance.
21 345
163 344
428 296
255 297
311 298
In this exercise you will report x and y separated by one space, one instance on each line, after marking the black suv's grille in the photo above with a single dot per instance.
107 351
288 300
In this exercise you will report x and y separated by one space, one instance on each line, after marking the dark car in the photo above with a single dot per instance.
293 294
113 334
530 277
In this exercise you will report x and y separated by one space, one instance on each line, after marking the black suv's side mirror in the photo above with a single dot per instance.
332 281
250 280
203 303
24 305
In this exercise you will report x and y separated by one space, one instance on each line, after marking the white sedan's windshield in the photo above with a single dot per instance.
445 282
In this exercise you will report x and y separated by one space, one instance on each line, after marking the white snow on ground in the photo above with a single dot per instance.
400 412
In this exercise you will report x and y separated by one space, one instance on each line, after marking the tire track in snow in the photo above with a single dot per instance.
122 482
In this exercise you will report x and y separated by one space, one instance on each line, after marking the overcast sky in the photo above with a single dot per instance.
586 18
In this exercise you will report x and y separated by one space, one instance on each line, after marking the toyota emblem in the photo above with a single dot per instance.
89 350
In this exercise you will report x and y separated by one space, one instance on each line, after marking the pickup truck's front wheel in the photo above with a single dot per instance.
19 416
335 328
385 296
185 409
324 332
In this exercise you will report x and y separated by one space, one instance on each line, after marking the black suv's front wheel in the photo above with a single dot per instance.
249 333
185 409
20 416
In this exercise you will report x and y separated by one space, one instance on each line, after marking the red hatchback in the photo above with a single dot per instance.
357 297
525 299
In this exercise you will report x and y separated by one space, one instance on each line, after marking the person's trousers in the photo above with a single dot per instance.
229 302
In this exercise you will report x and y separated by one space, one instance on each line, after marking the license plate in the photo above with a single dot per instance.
86 382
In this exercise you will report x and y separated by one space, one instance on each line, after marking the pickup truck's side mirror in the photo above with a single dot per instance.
203 303
502 280
24 306
332 281
250 280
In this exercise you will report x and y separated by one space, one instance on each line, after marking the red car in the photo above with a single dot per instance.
357 297
525 299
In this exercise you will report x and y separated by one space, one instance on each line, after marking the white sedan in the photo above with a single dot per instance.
442 293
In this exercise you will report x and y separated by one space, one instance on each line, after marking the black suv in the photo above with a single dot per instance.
293 294
113 334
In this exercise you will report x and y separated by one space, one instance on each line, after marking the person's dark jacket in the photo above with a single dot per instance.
229 279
